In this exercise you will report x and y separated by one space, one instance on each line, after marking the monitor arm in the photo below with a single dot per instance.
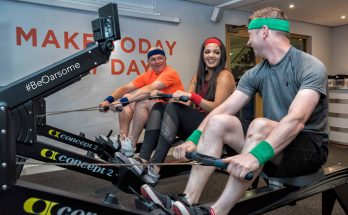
19 101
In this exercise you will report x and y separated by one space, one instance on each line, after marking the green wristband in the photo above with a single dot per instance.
263 152
194 137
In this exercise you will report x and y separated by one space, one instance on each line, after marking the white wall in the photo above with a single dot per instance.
339 45
320 40
195 26
21 60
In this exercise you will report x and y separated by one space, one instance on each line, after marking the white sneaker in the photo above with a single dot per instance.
127 147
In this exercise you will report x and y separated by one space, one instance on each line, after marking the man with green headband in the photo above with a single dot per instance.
291 138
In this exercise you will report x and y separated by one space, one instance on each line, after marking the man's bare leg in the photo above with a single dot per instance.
219 129
141 115
125 119
235 188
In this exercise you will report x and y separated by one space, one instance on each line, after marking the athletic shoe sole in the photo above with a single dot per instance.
147 193
180 209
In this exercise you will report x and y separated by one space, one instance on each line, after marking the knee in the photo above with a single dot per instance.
173 107
139 106
126 113
216 124
259 128
156 111
155 117
157 106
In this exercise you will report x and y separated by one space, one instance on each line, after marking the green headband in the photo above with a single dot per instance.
271 23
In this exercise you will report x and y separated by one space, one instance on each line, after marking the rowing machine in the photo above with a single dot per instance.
21 101
332 182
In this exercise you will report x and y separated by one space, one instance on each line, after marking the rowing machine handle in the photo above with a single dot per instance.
169 96
106 108
103 109
206 160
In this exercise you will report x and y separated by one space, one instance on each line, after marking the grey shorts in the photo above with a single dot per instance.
306 154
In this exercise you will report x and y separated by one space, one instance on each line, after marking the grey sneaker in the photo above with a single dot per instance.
147 173
127 147
137 168
151 176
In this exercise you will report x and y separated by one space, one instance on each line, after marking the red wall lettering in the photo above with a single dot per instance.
50 38
68 40
131 42
20 33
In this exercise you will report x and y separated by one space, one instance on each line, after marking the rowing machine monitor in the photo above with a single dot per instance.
106 27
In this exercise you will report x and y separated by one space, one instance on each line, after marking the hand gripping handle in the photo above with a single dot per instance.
169 96
206 160
104 108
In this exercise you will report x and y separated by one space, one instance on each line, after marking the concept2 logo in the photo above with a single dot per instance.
56 156
45 207
72 140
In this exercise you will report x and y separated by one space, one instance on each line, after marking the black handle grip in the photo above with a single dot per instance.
104 109
183 98
169 96
206 160
164 95
119 109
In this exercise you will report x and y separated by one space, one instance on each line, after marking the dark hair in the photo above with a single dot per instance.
201 72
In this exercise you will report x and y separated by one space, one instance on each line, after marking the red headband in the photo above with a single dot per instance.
212 40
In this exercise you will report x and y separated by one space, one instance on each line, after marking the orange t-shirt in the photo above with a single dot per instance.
169 77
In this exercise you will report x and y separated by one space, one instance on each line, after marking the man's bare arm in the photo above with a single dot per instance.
299 112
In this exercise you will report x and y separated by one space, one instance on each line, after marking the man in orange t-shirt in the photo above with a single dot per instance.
160 77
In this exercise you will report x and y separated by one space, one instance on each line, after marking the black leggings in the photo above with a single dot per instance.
167 121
